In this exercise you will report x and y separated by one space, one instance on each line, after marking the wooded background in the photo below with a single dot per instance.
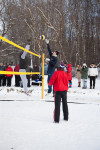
72 26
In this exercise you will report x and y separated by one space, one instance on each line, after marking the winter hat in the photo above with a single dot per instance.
84 64
93 63
57 53
69 65
62 65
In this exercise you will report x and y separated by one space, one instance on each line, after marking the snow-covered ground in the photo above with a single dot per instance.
26 122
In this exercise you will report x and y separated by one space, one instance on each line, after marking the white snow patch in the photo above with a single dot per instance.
27 122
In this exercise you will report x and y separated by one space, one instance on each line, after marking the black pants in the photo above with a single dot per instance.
2 80
17 81
58 96
28 80
9 81
92 79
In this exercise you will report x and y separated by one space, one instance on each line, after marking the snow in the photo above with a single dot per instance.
26 122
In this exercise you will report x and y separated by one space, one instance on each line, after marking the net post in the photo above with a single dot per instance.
42 75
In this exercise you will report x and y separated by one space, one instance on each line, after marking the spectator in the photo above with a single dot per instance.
9 76
2 76
78 74
84 75
60 81
17 77
65 68
69 72
45 68
35 69
5 79
92 74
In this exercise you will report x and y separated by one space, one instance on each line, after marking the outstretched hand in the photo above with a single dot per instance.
47 41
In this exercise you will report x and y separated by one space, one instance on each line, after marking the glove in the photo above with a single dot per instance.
47 41
96 76
88 76
47 59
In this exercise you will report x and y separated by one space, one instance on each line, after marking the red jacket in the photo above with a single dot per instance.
60 81
9 69
16 69
69 69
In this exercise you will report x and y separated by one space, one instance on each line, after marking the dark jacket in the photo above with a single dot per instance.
2 68
35 69
84 72
29 69
23 63
52 62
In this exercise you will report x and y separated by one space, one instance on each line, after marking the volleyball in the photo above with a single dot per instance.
42 37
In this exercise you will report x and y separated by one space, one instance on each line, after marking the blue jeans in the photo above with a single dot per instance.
49 87
84 83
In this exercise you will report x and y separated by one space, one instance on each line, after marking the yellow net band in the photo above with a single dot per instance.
18 73
12 43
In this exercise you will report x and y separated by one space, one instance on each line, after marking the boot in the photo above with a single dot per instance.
93 87
79 84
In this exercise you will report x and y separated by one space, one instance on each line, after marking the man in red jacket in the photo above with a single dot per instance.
60 81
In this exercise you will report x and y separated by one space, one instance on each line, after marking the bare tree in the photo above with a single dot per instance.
71 25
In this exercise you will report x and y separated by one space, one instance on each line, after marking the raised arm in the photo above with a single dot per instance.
24 53
48 47
49 50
